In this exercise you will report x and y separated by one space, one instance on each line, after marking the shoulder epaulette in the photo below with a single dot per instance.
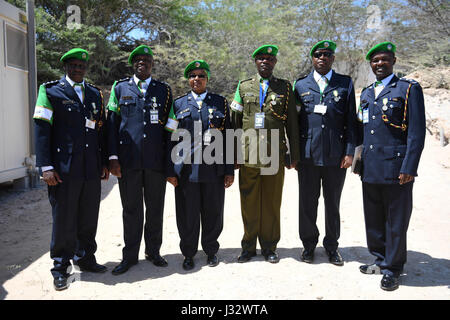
179 97
50 83
301 77
412 81
366 87
94 86
246 80
124 79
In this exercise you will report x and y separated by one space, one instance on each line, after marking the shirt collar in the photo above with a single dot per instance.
136 80
386 80
201 96
318 76
71 82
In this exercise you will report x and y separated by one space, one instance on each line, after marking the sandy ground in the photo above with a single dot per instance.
25 229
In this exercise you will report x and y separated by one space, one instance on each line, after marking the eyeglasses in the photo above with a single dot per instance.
326 54
193 76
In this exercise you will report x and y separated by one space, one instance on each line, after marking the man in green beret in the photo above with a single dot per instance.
392 131
138 111
199 184
264 108
327 116
71 154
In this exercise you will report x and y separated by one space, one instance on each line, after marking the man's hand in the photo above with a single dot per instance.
105 173
405 178
346 162
114 168
173 181
51 177
228 181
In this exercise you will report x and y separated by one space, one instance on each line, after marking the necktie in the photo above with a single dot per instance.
323 82
199 102
142 86
262 92
79 89
378 88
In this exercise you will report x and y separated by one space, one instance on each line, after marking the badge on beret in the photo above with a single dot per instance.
84 55
269 49
389 46
146 50
197 64
326 44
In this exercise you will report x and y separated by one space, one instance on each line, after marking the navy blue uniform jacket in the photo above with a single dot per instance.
389 151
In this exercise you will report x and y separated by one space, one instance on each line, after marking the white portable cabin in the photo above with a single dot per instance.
17 93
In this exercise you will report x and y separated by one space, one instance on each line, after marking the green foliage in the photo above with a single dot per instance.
226 32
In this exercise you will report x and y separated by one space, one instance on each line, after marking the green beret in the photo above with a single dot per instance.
196 64
381 47
324 44
76 53
142 49
266 49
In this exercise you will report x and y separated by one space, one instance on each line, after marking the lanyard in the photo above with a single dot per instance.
262 95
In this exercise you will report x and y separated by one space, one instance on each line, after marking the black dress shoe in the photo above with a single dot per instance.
246 256
389 283
335 258
271 256
157 260
188 263
122 267
308 255
60 283
212 260
370 269
95 267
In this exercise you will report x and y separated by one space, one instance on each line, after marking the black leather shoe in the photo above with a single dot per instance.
95 267
370 269
308 255
335 258
389 283
157 260
246 256
271 256
60 283
212 260
122 267
188 263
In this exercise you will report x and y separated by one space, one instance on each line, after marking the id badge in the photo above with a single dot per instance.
154 116
207 138
259 120
90 124
320 108
365 115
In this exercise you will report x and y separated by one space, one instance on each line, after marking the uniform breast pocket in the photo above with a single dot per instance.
394 108
307 102
218 119
184 118
72 114
128 107
250 103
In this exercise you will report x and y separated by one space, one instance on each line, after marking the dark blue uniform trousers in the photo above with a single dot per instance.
387 210
199 203
137 186
310 178
75 205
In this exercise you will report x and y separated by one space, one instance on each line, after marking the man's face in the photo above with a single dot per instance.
265 63
382 64
322 60
75 69
142 66
198 79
